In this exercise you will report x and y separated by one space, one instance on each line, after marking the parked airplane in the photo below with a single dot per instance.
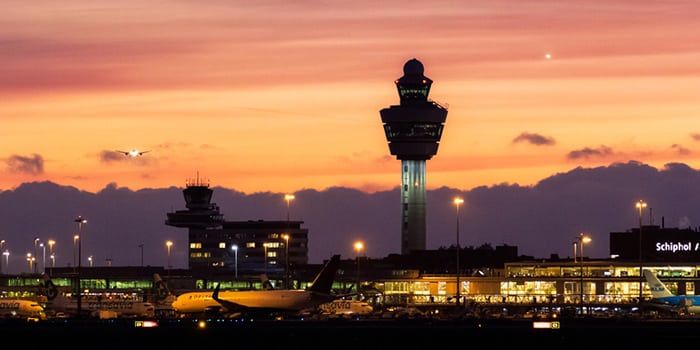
163 298
664 299
20 308
346 307
132 153
263 301
101 306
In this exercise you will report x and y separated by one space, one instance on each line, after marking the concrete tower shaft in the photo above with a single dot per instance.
413 130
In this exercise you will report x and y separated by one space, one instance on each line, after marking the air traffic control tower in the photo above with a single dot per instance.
413 130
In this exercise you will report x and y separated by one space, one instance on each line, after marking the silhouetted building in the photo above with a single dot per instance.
239 247
659 244
413 130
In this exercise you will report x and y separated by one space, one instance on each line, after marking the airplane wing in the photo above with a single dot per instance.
229 305
126 153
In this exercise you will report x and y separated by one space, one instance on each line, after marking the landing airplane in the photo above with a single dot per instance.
132 153
664 299
95 305
263 301
20 308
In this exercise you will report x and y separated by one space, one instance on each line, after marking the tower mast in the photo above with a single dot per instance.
413 130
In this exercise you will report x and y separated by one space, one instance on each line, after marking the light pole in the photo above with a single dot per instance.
265 255
286 260
582 239
640 205
358 248
36 243
80 220
458 201
30 260
235 264
141 246
43 256
90 260
169 244
75 250
2 246
6 254
51 254
288 198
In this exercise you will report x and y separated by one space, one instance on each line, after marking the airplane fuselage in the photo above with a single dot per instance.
20 308
283 300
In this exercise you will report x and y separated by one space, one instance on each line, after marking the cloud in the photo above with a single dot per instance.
534 139
695 136
33 165
681 150
587 152
111 156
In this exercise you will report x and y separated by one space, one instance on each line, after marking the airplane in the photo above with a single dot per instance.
346 307
132 153
163 298
21 308
262 301
97 306
663 298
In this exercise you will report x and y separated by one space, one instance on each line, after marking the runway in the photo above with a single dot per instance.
353 334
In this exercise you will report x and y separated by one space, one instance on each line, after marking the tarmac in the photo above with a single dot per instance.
426 334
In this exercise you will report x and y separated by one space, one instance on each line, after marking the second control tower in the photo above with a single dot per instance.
413 130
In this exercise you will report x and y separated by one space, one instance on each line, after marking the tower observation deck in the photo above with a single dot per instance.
413 130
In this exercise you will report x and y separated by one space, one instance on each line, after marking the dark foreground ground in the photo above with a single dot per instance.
351 334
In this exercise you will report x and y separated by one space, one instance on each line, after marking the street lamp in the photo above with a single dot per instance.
235 264
169 244
2 245
75 250
286 260
90 260
80 221
141 246
30 260
582 239
6 253
43 256
458 201
265 252
640 205
358 248
51 254
288 198
36 243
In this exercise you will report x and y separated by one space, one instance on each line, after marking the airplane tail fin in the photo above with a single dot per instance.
161 288
215 294
50 288
658 289
266 282
324 280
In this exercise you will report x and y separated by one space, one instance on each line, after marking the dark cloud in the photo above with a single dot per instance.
540 220
111 156
534 139
680 149
33 165
588 152
695 136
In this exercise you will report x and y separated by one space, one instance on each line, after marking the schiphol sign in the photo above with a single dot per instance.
682 248
658 244
673 247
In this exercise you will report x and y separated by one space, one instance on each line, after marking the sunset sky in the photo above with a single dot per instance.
285 95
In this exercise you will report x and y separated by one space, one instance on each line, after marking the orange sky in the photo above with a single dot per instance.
285 95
